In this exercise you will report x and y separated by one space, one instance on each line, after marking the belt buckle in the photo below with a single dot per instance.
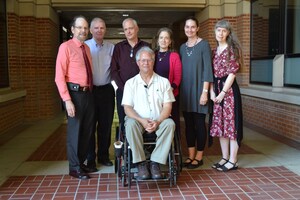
84 89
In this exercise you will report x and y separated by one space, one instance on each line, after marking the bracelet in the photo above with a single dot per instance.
224 91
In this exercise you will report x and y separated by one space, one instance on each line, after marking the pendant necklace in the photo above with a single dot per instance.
189 53
160 58
132 46
131 53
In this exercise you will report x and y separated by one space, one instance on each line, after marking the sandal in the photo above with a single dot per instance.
194 166
185 164
225 169
218 165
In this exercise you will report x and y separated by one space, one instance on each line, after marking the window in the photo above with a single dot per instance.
4 80
275 29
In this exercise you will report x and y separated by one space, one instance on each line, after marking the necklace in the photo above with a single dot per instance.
160 58
189 53
220 49
131 53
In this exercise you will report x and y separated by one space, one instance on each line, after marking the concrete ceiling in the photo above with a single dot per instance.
149 21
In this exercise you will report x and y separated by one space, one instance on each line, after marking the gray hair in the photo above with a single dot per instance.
232 40
145 49
97 19
129 19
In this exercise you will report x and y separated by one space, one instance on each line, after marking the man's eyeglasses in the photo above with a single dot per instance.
146 60
81 28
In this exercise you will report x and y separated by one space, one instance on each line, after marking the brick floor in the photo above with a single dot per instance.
245 183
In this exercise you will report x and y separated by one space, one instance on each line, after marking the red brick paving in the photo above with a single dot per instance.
245 183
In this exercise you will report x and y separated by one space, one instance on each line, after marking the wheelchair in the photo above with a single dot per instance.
126 170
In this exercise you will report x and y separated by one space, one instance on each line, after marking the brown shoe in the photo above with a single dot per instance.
155 170
143 173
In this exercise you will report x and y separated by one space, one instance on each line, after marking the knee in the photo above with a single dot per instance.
130 124
170 123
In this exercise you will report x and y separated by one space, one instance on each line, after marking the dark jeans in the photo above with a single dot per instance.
104 98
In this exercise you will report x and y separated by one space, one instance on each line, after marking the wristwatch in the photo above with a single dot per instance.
205 90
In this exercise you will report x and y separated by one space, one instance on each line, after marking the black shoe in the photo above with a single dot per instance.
155 170
187 162
79 174
143 171
105 162
218 165
225 169
194 166
88 168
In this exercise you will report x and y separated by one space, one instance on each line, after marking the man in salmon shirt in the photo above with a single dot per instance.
74 83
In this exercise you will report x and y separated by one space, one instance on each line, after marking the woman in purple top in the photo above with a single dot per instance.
168 65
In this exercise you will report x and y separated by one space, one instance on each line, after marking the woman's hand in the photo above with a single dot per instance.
220 97
203 98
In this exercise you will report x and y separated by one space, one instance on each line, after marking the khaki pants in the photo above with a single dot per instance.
165 134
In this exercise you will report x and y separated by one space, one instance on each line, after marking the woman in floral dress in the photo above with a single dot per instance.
227 119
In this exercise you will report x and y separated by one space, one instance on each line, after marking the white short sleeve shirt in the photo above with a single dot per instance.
147 100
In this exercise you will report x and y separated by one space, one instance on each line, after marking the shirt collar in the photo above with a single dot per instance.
152 80
96 44
77 42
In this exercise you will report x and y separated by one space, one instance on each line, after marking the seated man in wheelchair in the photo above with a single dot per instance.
147 102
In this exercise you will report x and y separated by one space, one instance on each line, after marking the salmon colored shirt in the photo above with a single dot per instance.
70 66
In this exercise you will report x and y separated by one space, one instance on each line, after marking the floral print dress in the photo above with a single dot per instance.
223 122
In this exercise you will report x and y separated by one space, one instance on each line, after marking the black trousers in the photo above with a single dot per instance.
80 128
195 129
120 108
104 98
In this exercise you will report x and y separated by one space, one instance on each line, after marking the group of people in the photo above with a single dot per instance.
153 86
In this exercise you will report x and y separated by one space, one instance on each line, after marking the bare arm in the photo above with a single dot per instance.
149 124
130 112
204 96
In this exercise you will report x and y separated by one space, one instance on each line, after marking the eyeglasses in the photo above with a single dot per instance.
146 60
80 28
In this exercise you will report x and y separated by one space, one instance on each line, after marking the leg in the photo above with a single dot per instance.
201 135
190 136
134 135
121 112
105 118
176 114
87 126
233 155
165 134
231 164
224 143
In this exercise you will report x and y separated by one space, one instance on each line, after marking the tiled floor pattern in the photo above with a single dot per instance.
54 148
245 183
34 166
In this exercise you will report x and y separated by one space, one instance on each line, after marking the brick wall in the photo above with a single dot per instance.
38 49
273 117
241 26
32 49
